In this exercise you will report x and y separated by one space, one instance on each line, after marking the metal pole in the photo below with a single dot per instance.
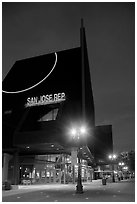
113 175
64 171
79 187
73 173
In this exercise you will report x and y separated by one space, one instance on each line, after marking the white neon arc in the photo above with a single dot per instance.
13 92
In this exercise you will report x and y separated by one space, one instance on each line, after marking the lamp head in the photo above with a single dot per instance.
110 156
73 132
114 156
83 130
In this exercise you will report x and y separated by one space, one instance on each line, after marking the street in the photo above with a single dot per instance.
123 191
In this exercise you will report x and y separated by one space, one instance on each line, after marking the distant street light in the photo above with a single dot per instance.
125 167
121 164
76 134
112 157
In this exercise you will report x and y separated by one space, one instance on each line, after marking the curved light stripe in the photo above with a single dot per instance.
13 92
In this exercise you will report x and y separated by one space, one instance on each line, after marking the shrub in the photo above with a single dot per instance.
7 185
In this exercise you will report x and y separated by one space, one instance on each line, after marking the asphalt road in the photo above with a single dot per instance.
123 191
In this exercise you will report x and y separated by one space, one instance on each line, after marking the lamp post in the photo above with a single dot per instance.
77 133
112 157
121 164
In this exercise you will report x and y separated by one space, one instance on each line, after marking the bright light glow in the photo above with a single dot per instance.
79 131
110 156
125 167
73 131
114 156
121 163
82 130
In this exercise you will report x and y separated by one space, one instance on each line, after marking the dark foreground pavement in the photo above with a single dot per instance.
123 191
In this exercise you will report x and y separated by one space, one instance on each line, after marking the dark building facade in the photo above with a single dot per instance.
102 141
43 97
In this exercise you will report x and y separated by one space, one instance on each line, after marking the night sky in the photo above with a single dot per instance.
31 29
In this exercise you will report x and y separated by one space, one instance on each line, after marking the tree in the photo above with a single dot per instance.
128 158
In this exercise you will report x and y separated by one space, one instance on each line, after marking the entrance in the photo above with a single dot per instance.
42 169
40 176
48 175
48 169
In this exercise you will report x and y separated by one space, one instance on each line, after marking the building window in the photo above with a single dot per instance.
49 116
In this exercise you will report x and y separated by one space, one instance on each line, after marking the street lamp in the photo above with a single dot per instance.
125 167
112 157
76 134
121 164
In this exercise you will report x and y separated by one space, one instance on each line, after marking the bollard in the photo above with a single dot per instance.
104 181
7 185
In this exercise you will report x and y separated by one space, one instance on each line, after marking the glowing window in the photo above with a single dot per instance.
49 116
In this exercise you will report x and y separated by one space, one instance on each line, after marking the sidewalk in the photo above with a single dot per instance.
29 188
119 191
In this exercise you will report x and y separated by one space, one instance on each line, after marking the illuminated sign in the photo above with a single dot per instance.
45 99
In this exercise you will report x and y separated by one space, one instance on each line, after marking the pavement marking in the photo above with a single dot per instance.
118 191
86 198
18 197
55 200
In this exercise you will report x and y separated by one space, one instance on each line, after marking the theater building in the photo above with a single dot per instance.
43 98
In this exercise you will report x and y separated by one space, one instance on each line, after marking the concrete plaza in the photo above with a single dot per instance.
123 191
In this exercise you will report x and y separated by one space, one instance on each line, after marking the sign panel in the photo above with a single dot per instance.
45 99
